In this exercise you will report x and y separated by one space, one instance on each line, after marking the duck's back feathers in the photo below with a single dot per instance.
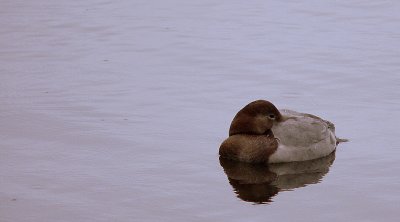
303 137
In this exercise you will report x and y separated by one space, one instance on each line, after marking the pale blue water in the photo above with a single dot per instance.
114 111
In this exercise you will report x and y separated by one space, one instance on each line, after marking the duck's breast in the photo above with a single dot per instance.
248 148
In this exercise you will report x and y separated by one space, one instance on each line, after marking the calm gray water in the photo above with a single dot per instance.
115 110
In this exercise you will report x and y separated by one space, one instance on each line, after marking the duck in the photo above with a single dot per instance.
260 133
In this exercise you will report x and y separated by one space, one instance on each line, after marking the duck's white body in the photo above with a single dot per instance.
302 137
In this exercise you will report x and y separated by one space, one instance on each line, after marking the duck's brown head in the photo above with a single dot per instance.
257 118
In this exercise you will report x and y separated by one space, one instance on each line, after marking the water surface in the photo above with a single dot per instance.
114 111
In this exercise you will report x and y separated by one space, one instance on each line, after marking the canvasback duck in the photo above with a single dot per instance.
260 133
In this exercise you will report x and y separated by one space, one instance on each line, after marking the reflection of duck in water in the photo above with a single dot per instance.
260 133
258 183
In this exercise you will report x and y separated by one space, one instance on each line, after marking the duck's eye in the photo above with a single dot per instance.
271 116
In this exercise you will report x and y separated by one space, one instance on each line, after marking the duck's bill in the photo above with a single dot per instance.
286 117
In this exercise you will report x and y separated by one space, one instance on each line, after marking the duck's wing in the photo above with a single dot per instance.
288 112
303 129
